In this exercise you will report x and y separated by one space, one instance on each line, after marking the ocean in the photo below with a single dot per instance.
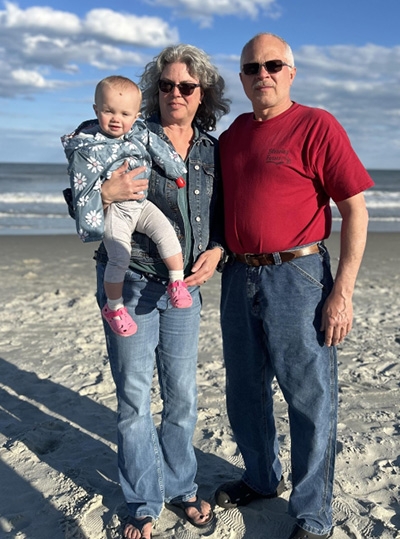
31 200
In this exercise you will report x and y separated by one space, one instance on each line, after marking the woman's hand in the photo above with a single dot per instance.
204 267
120 186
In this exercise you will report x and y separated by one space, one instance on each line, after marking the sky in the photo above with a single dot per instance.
52 54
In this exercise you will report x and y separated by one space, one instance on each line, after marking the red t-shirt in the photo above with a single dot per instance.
279 175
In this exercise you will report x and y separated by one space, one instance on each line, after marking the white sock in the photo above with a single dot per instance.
175 275
115 304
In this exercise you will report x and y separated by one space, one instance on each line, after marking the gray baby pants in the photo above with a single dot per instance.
121 219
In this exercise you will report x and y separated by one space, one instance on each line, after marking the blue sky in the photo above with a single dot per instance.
347 54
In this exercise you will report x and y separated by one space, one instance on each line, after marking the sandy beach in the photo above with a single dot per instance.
58 464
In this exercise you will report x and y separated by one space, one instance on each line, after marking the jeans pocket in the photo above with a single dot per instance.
310 268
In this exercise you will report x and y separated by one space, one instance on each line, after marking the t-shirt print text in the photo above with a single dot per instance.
278 157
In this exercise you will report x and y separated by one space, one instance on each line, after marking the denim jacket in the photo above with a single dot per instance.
205 210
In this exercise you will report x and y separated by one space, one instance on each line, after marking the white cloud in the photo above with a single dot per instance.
29 79
37 19
250 8
371 62
204 10
140 31
131 29
355 78
25 83
39 40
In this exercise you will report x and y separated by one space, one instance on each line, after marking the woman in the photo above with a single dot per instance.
183 99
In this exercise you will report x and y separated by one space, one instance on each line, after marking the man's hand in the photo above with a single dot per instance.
337 318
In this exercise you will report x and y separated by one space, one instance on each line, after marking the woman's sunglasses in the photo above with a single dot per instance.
272 66
185 88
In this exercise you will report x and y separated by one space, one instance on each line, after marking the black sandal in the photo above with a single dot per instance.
237 493
299 533
197 505
138 523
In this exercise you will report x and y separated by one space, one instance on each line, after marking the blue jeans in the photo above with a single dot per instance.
271 318
155 465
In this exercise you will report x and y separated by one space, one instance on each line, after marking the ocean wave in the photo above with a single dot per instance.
379 219
25 215
374 199
30 197
382 199
46 211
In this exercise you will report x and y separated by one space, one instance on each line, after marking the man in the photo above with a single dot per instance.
282 314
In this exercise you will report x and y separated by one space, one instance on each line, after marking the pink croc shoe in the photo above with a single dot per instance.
179 294
120 321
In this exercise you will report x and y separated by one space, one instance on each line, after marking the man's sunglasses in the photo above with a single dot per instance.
185 88
272 66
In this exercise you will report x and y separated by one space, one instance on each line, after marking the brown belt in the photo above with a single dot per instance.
267 259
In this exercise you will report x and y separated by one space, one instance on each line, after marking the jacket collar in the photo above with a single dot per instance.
154 124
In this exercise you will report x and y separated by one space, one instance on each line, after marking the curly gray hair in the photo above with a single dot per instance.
213 106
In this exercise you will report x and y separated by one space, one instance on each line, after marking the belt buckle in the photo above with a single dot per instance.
252 260
249 259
